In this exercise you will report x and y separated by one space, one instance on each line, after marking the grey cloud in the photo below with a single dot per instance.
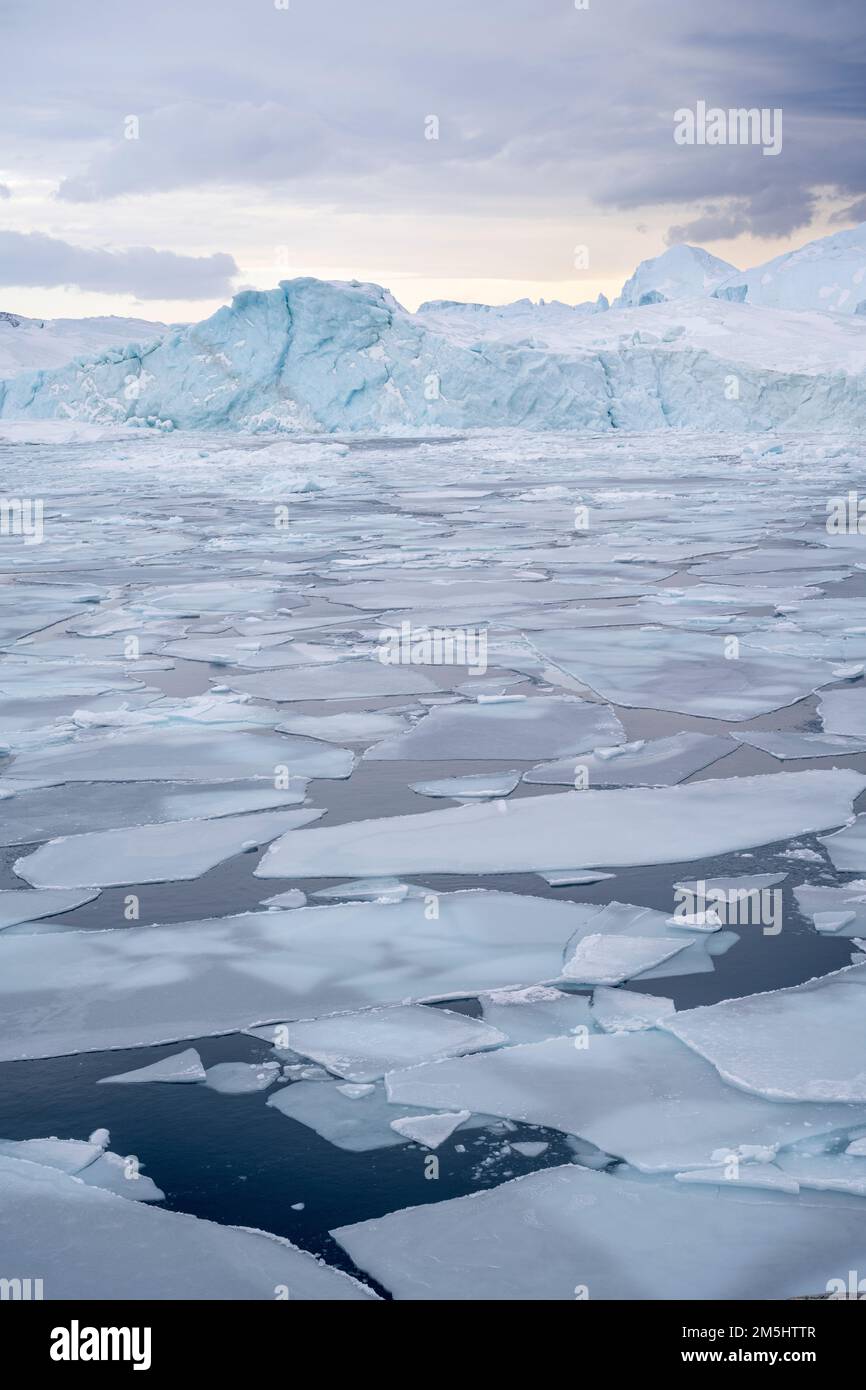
30 258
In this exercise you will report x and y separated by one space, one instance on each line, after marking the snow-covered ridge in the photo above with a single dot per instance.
680 273
29 344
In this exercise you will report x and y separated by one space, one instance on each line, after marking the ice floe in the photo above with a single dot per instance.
364 1046
659 762
153 853
537 727
182 1067
605 828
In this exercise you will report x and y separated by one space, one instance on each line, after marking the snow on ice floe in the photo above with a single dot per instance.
624 1011
241 1078
134 986
153 853
358 679
79 1237
184 1067
805 1043
784 744
364 1046
847 847
181 755
843 712
686 672
91 1163
24 905
293 897
605 828
45 814
480 785
536 727
557 1234
644 763
840 911
641 1096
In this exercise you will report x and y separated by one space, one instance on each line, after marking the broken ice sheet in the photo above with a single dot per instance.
645 763
566 878
686 672
344 680
540 1011
535 727
363 1046
46 813
608 960
183 1067
547 1234
79 1238
153 853
625 1011
843 712
837 910
374 889
355 1122
641 1096
604 828
429 1130
805 1043
26 905
847 847
349 727
784 744
181 755
140 985
92 1163
241 1078
478 786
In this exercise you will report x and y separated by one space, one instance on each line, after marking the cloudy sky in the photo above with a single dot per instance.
273 138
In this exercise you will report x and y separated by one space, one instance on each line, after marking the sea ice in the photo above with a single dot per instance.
364 1046
358 1123
541 1011
349 727
182 1066
641 1096
624 1011
843 712
687 672
140 985
783 744
152 853
481 786
803 1043
606 828
429 1130
536 727
557 1234
847 847
840 910
80 1237
608 960
241 1078
345 680
659 762
24 905
179 755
